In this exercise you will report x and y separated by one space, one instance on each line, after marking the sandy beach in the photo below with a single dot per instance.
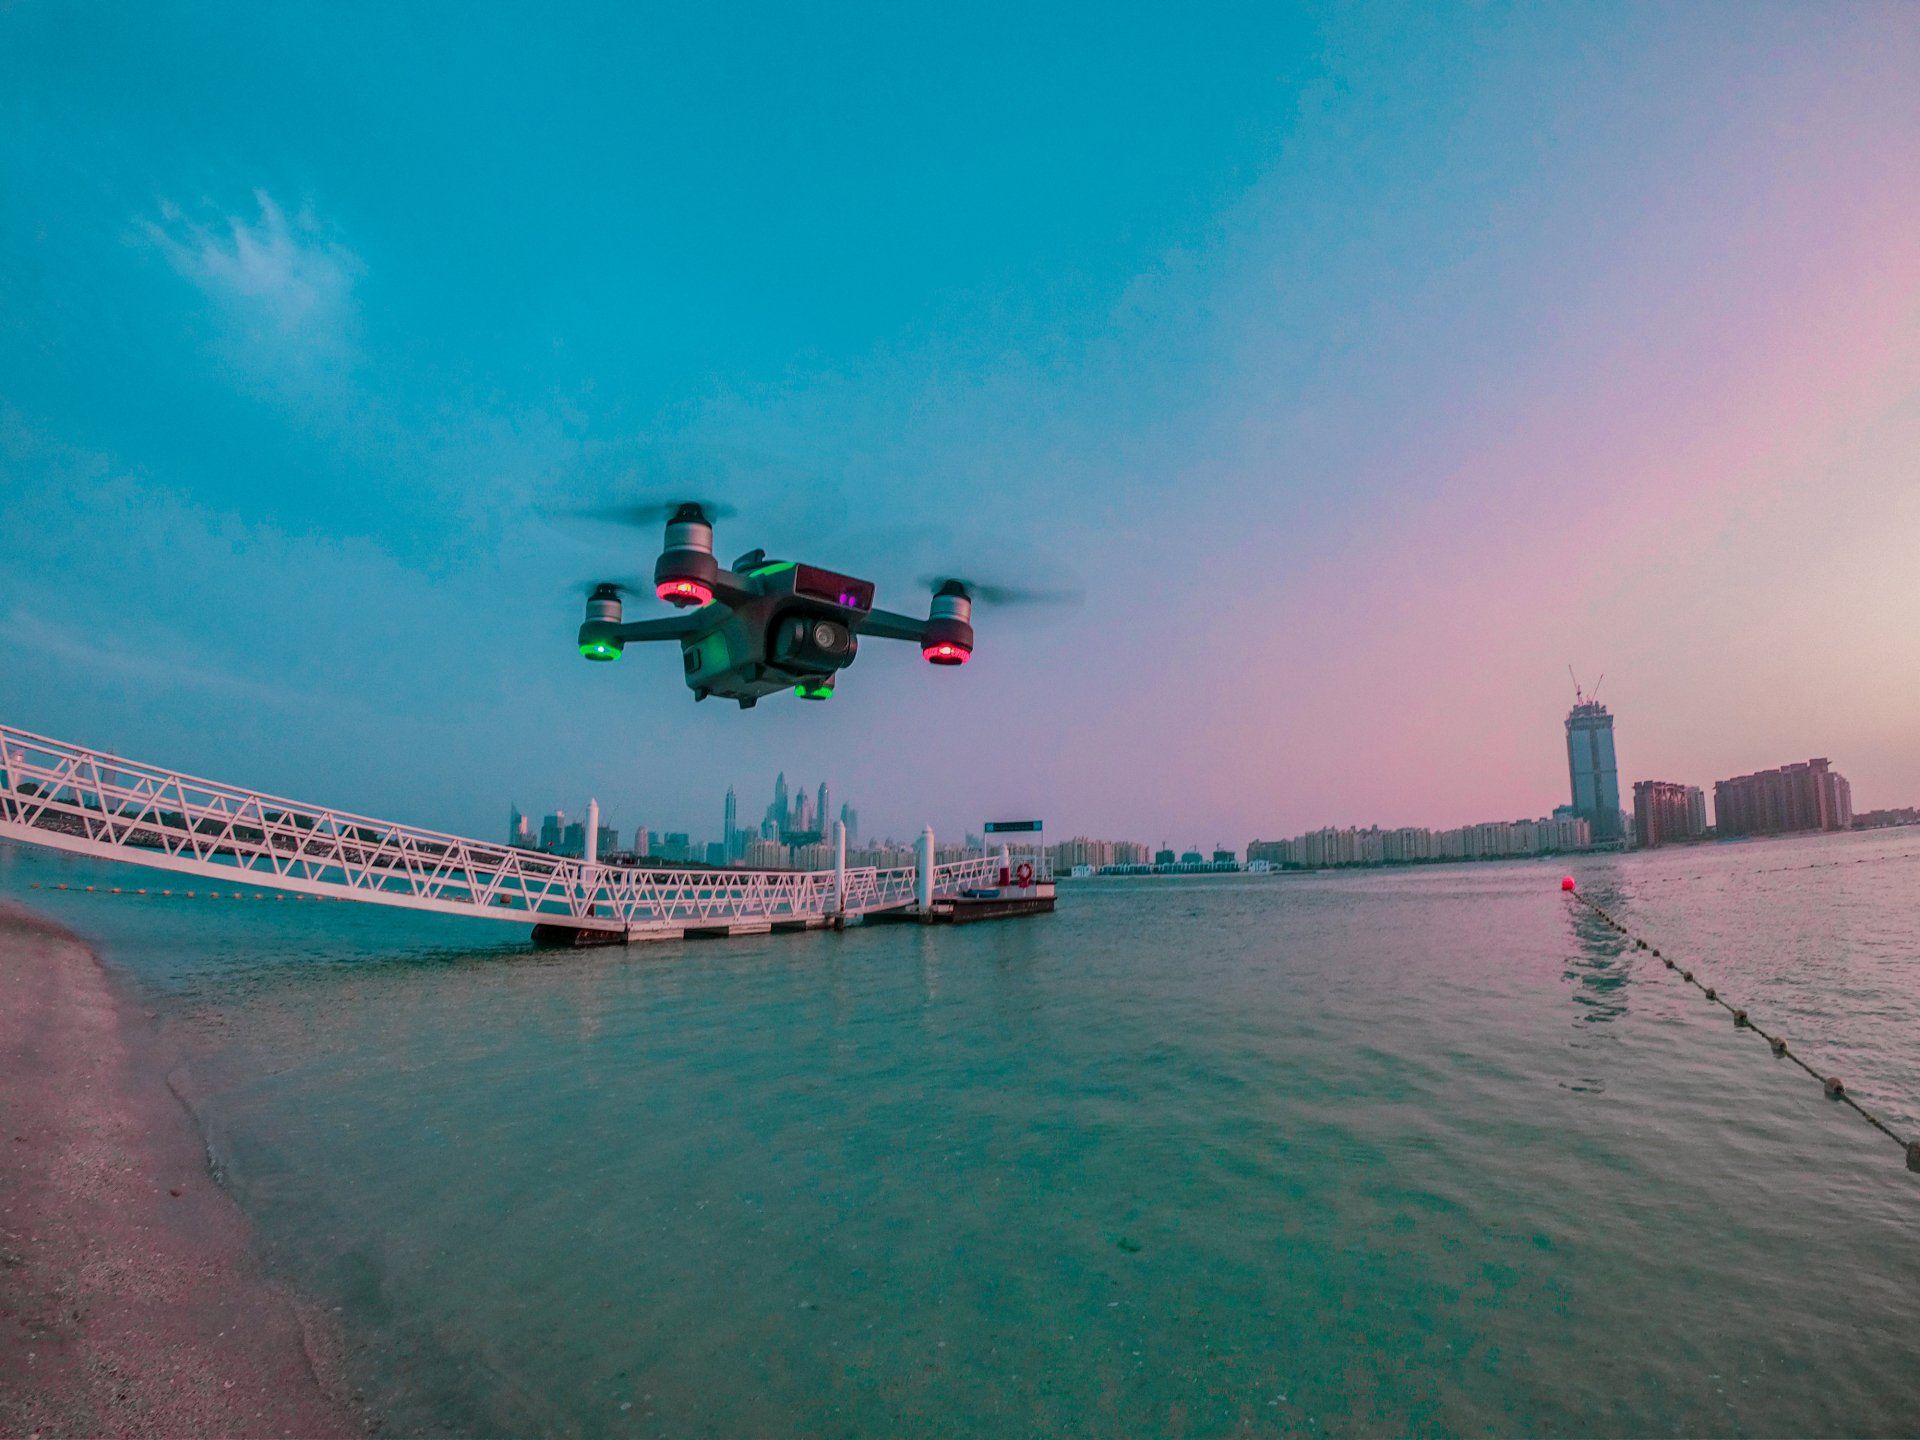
131 1303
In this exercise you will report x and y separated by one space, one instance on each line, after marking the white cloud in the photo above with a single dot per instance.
154 658
285 283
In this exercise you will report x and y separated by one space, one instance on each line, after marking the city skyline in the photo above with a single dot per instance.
799 813
1666 811
1457 344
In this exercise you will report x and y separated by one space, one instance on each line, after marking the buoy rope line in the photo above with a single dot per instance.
1777 869
1833 1085
181 894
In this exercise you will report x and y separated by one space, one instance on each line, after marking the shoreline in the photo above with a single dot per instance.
132 1301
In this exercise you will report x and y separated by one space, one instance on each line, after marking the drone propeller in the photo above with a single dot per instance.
984 593
650 514
622 588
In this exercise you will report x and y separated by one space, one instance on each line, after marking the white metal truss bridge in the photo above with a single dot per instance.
87 802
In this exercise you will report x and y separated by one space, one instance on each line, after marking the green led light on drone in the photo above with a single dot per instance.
813 692
774 569
599 650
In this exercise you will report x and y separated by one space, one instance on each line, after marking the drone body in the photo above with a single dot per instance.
766 625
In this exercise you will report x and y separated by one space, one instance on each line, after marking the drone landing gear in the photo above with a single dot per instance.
748 702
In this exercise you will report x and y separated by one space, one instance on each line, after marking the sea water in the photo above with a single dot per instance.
1409 1151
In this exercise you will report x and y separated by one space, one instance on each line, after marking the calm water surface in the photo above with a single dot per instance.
1401 1152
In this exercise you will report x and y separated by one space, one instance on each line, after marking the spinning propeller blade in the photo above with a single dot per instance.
986 593
647 514
623 588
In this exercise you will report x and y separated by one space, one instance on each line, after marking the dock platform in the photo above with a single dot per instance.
970 906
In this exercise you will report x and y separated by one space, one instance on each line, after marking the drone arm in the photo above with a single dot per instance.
886 625
666 627
731 589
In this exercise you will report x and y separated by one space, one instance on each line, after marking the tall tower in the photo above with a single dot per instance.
822 816
1591 769
731 828
781 812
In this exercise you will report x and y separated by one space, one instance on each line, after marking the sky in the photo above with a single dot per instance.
1362 366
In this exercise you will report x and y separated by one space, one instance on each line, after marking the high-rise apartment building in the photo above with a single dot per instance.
1489 840
766 854
1083 850
552 831
1810 795
1661 812
1592 770
1696 812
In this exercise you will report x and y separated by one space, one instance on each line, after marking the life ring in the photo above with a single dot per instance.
1023 876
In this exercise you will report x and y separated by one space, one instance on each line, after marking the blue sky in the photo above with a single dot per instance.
1304 340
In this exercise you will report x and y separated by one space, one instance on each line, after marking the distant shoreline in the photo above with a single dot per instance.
131 1301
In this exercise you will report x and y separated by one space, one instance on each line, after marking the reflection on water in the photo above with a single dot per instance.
1599 969
1189 1157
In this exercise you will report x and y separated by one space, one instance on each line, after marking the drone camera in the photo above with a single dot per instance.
803 644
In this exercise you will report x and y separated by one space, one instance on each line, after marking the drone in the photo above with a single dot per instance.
763 625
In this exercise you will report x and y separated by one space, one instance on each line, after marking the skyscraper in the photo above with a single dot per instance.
782 811
822 815
1592 771
730 831
850 817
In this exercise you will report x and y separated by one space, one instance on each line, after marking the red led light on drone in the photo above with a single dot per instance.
945 653
683 592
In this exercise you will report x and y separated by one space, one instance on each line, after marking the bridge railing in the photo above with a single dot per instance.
91 802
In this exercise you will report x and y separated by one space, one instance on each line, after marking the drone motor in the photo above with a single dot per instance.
600 636
685 573
948 636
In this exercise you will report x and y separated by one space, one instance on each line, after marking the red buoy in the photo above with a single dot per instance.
1566 882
